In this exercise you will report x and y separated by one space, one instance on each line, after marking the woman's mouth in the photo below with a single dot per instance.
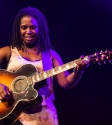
29 38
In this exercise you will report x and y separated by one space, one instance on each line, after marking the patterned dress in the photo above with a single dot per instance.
48 114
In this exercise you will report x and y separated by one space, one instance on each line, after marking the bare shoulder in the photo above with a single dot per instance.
5 52
6 48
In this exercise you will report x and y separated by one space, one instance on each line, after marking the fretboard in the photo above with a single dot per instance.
51 72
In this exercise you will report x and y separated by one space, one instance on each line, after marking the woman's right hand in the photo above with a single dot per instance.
4 92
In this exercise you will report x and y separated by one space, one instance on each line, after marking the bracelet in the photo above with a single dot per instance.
77 71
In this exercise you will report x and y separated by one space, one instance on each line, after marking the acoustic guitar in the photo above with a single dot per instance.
21 85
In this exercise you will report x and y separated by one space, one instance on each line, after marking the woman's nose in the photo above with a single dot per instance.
29 31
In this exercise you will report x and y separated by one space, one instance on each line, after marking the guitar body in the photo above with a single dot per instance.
22 92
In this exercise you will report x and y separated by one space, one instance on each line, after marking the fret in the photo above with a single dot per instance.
52 72
37 77
34 78
41 77
49 72
45 74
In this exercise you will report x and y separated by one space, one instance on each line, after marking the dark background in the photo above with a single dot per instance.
76 28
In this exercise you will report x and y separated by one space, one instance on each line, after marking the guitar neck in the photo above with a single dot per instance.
51 72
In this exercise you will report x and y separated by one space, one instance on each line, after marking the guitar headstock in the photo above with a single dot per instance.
101 57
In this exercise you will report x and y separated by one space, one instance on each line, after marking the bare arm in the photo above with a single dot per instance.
4 56
65 79
5 53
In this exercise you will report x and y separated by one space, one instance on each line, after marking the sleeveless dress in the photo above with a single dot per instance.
48 114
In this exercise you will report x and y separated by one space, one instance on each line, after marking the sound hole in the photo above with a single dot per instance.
20 84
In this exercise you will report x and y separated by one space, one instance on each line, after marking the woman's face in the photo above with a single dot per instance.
29 30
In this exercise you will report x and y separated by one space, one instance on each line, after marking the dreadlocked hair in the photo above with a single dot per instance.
43 39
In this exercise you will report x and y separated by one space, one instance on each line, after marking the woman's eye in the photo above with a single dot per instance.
23 27
33 27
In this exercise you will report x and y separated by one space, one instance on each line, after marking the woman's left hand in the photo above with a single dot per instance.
82 63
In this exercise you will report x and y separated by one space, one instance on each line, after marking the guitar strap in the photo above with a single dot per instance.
47 64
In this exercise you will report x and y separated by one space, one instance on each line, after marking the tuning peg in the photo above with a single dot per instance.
110 61
101 52
99 63
97 59
106 51
103 57
104 62
107 58
96 53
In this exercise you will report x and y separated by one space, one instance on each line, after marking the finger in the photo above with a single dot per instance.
77 64
87 59
2 95
7 91
80 66
84 62
82 56
0 98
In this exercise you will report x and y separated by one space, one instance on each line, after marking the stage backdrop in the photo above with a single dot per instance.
76 27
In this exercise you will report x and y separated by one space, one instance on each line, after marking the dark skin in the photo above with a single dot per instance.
29 34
